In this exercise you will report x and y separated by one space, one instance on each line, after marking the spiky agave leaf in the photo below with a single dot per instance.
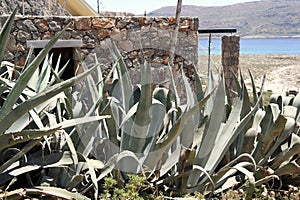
24 78
4 34
52 192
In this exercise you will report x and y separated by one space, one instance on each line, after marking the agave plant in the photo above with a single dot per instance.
61 140
270 141
180 146
205 145
277 144
36 118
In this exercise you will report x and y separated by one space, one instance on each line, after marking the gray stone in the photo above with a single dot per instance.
125 45
116 34
20 48
148 20
134 36
145 29
146 42
91 35
155 43
31 27
35 35
47 35
77 34
54 26
184 42
193 38
122 23
9 56
103 44
66 35
163 33
153 34
165 43
12 44
33 7
41 24
85 38
90 44
20 25
22 36
128 63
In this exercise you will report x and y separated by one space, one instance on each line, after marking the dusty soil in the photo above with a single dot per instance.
282 71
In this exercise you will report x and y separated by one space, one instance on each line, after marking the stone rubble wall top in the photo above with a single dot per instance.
153 34
33 7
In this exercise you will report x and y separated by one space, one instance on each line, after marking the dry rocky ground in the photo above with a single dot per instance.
282 71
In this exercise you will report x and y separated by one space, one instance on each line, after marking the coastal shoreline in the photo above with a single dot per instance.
282 71
268 37
205 36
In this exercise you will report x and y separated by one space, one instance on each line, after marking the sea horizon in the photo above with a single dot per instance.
281 45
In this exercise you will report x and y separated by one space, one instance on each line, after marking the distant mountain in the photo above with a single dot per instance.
265 18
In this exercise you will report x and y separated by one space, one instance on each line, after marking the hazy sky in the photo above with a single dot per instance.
139 6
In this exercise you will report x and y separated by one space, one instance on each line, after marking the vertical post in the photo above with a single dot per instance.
175 33
98 6
209 49
230 61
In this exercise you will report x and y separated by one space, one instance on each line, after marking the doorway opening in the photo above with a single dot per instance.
66 57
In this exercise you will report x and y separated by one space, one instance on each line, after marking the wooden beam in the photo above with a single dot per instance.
226 30
38 44
79 8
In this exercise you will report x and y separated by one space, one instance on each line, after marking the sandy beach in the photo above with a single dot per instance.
282 71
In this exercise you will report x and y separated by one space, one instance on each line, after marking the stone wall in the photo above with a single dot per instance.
32 7
230 61
128 33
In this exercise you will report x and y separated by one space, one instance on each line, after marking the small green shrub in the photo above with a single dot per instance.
130 191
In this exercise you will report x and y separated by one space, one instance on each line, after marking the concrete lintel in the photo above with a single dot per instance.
38 44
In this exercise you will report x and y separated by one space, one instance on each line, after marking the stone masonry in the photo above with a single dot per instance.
230 61
33 7
128 33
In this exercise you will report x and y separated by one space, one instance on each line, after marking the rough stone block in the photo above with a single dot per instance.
125 45
184 28
12 44
116 34
31 27
103 33
163 33
54 26
103 22
41 24
22 36
83 23
172 20
47 35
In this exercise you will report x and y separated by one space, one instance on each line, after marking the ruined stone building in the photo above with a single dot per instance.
87 36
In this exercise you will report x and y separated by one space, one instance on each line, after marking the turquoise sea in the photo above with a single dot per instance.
255 46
